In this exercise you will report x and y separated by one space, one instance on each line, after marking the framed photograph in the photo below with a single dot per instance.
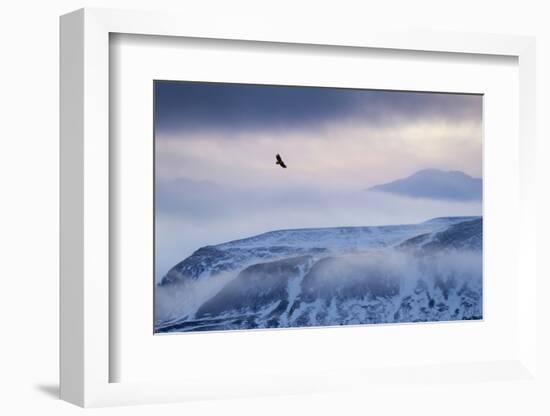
290 207
257 212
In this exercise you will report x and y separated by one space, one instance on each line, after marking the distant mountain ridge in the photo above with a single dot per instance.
435 184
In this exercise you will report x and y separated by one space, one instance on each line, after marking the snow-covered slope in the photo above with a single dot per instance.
331 276
234 255
465 235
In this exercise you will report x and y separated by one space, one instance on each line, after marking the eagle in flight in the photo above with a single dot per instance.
280 161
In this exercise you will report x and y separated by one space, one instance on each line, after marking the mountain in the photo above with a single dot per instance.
436 184
233 255
430 271
466 235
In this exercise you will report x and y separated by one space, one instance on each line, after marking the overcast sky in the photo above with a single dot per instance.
215 147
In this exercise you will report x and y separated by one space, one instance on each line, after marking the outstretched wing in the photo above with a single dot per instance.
280 161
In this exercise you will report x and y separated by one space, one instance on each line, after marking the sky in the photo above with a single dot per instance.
215 146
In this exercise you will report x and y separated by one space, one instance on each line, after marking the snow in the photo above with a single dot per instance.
444 283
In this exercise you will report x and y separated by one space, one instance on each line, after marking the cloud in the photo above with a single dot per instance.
223 107
337 155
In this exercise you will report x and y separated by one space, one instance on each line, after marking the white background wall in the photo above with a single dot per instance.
29 186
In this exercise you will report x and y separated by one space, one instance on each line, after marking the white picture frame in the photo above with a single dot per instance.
86 355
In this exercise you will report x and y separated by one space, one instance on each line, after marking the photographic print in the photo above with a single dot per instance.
292 206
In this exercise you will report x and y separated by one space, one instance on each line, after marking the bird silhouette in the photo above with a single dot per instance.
280 161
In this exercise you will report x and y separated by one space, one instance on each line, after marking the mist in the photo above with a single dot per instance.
195 214
388 285
183 299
